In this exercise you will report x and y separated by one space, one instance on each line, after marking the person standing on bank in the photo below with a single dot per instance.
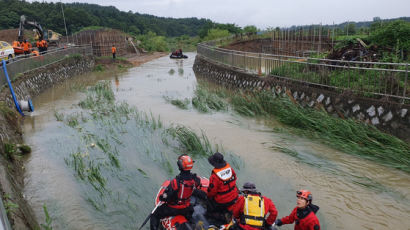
222 190
304 215
114 51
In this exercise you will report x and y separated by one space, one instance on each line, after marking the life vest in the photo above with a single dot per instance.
25 46
254 211
185 190
226 175
39 44
113 49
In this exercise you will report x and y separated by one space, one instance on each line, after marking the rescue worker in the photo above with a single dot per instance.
114 51
304 214
253 210
222 190
44 45
26 47
178 194
16 44
39 45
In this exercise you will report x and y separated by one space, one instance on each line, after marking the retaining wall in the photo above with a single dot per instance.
28 85
389 116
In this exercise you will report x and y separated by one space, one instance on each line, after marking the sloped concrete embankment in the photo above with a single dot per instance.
28 85
391 117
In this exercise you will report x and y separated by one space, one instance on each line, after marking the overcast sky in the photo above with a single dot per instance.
266 13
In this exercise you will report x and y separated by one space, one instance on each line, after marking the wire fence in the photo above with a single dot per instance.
369 79
21 65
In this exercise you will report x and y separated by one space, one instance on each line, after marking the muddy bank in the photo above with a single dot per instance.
141 59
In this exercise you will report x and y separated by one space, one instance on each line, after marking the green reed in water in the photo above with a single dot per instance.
348 135
103 115
190 141
205 101
182 104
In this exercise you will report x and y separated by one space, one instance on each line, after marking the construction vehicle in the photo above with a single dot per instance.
50 36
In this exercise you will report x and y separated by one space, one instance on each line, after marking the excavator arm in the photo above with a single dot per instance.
34 24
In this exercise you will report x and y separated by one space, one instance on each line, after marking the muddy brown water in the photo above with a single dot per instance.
353 193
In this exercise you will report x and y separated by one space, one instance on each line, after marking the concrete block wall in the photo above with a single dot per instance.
388 116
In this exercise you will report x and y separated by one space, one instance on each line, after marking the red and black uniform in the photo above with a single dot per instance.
269 207
177 201
222 190
305 219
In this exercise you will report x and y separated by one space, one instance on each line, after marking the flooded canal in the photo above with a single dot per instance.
98 164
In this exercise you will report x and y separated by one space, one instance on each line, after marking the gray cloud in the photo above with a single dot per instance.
266 13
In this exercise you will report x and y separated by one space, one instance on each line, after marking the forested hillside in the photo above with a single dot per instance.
80 15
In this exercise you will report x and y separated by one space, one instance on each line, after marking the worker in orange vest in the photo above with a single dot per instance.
114 51
26 47
39 45
45 45
16 44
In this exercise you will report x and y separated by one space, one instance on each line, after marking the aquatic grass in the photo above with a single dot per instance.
48 221
347 135
143 172
72 120
200 105
204 101
104 145
285 150
98 96
182 104
246 106
87 170
190 141
58 116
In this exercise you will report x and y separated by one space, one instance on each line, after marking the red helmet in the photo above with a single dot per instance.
305 194
185 162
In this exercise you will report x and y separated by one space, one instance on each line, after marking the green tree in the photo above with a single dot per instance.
250 29
350 28
394 34
216 33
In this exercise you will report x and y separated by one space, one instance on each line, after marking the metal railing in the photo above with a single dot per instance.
19 66
370 79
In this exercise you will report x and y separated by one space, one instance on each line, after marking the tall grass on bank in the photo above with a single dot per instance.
348 135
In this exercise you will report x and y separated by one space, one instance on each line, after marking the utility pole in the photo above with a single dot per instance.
65 26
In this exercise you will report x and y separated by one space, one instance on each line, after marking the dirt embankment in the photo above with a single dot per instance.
128 61
139 60
19 213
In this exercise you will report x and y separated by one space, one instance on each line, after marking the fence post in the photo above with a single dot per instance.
231 58
405 80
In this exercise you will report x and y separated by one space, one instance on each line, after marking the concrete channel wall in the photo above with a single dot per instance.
28 85
32 83
388 116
